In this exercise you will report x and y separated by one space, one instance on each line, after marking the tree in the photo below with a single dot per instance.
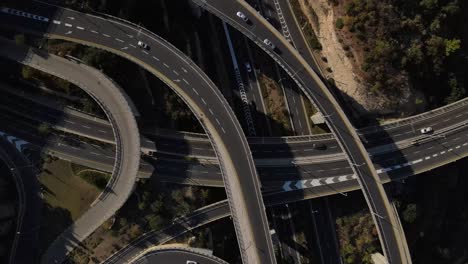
451 45
20 39
457 90
414 53
428 4
43 129
155 222
27 72
410 213
339 24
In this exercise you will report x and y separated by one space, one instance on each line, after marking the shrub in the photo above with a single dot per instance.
339 24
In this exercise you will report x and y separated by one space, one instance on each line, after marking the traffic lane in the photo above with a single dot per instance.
411 130
178 227
178 146
229 133
30 209
52 116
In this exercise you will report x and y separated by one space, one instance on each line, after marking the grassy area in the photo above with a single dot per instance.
306 27
276 106
66 197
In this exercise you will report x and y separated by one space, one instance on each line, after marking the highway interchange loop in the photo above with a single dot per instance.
113 36
194 87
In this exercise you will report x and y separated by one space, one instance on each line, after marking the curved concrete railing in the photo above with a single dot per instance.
109 97
237 166
180 250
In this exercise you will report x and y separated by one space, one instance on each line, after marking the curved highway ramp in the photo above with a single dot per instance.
115 104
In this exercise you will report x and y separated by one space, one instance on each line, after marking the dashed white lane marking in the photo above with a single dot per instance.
68 25
68 32
195 91
155 58
217 121
102 131
222 128
133 46
435 155
442 152
71 18
94 153
203 100
86 126
130 36
183 69
175 72
185 81
119 40
57 22
68 121
80 28
105 35
94 31
124 48
165 65
211 111
145 52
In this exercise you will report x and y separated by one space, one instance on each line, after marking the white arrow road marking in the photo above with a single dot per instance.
286 186
315 182
329 180
19 143
300 184
342 178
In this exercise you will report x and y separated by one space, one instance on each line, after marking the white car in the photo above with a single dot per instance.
242 16
143 45
268 43
426 130
248 67
191 262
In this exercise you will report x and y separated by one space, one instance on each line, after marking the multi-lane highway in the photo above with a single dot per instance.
191 84
114 103
275 173
442 146
262 33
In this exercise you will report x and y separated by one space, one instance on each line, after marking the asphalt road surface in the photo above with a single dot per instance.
194 87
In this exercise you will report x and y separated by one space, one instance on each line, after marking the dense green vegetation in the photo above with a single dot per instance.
433 209
412 42
96 178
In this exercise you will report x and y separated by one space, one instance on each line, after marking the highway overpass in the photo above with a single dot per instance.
310 174
176 70
115 104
